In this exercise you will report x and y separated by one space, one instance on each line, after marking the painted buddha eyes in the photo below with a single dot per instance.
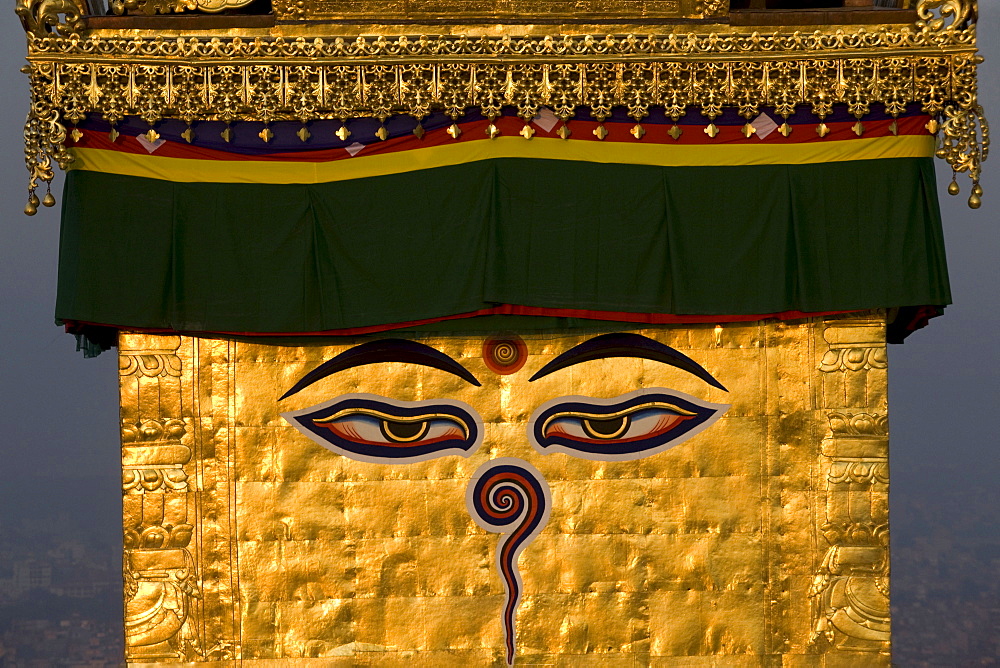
377 429
631 426
380 430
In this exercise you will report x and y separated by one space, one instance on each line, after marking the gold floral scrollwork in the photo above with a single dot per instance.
149 364
137 359
44 135
964 143
159 587
854 358
153 457
711 8
175 6
149 6
859 424
952 15
852 597
850 589
42 17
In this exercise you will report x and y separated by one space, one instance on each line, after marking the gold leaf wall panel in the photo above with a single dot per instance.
760 540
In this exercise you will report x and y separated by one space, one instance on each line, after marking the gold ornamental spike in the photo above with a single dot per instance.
859 128
304 134
564 131
492 131
638 131
527 131
188 134
748 131
675 132
151 135
382 133
822 130
454 131
266 134
76 134
712 130
894 127
227 134
785 129
601 132
343 133
419 131
113 135
932 126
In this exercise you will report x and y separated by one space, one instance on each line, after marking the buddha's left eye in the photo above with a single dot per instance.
376 429
627 427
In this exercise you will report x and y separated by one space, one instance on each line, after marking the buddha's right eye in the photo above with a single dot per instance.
378 429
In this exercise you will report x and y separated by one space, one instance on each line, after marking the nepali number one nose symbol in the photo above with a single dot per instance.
509 496
506 495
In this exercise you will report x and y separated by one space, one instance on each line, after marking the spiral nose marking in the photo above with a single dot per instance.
509 496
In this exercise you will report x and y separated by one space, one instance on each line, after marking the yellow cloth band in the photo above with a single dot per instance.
187 170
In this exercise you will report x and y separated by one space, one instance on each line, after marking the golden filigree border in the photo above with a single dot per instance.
686 45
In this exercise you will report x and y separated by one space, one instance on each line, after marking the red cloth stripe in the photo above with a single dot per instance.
510 126
504 309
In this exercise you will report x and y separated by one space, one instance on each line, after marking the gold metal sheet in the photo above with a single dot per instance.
754 539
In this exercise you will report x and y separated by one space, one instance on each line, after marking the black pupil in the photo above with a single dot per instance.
402 430
607 427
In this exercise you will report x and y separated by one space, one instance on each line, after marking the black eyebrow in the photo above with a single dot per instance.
384 350
626 345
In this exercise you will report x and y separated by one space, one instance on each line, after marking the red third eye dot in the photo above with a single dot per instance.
505 354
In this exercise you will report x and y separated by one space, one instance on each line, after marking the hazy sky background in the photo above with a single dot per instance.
60 411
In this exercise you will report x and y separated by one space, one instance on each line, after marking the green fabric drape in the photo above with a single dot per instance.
148 253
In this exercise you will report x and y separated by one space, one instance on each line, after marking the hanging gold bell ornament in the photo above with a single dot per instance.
976 198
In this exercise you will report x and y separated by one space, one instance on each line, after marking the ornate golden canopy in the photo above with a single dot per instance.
313 59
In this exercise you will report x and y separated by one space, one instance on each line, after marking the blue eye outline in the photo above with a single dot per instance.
697 415
315 423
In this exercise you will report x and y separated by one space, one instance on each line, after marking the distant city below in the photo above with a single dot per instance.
61 601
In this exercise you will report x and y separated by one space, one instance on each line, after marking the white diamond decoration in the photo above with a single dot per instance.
545 119
764 124
150 146
354 148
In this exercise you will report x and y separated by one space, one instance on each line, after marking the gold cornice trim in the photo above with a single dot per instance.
709 46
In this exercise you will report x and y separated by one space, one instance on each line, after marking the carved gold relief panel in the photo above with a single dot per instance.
698 495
